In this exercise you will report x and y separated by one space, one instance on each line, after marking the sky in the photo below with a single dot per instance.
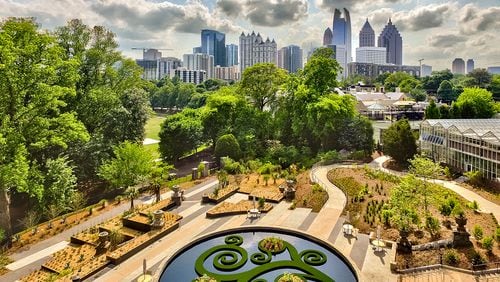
436 31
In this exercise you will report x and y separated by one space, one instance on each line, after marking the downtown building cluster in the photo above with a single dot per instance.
216 60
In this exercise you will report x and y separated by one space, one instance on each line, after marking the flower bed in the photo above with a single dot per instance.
222 195
40 275
85 237
242 207
273 245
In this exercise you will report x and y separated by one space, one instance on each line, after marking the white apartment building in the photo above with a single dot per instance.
372 55
190 76
200 61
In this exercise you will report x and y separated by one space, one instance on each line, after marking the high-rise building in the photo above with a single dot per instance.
253 49
154 66
426 70
367 35
374 55
190 76
200 62
458 66
197 50
231 55
214 43
290 58
470 65
327 37
494 70
342 39
231 73
392 41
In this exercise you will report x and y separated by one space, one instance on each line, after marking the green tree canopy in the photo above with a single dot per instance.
227 146
475 103
446 92
131 165
494 87
432 83
432 111
395 79
261 83
480 78
408 84
320 72
180 133
400 142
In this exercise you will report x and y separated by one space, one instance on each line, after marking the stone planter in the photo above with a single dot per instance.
403 245
158 219
176 197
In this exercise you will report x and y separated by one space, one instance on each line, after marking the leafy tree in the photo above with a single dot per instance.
404 202
395 79
446 92
132 193
180 133
35 122
494 87
480 78
227 146
159 172
59 183
409 84
444 112
382 77
131 165
475 103
432 83
399 142
426 168
320 72
261 83
432 111
418 94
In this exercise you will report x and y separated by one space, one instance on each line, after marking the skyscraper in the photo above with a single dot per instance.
367 36
253 50
458 66
470 65
290 58
200 62
341 39
214 43
392 41
327 37
231 55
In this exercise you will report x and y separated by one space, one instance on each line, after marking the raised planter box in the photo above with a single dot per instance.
119 255
230 191
241 207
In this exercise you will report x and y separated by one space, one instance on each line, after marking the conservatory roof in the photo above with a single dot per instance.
486 129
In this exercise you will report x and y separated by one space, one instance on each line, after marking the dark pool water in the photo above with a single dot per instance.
182 266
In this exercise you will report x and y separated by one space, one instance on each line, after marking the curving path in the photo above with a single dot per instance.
484 204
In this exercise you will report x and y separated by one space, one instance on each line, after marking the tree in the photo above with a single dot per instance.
227 146
157 175
399 142
494 87
418 94
132 193
395 79
480 78
432 111
426 168
320 72
36 122
408 84
180 133
431 83
475 103
445 92
261 82
404 203
131 165
59 183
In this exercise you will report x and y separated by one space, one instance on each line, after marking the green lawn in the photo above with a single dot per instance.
153 126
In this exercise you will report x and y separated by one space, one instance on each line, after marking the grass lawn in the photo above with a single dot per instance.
153 126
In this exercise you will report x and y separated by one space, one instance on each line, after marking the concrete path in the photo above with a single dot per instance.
149 141
484 204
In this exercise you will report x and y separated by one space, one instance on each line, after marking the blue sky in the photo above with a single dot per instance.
437 31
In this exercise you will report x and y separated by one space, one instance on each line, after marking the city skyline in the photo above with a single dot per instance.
437 32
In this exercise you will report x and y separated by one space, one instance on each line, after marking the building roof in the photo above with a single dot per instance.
485 129
395 95
370 96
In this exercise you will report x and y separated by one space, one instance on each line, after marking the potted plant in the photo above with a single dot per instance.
262 202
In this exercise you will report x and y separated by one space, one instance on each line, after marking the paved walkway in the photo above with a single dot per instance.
31 259
484 205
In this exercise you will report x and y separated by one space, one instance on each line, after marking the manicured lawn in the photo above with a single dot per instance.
153 148
153 126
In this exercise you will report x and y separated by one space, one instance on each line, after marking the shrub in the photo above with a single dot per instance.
488 243
432 224
476 258
476 178
477 232
447 207
473 205
227 146
451 257
497 234
262 202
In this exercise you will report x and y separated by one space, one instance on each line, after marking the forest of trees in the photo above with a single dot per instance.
66 98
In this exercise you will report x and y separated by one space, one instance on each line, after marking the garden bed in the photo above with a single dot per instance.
309 195
222 195
242 207
368 191
71 257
